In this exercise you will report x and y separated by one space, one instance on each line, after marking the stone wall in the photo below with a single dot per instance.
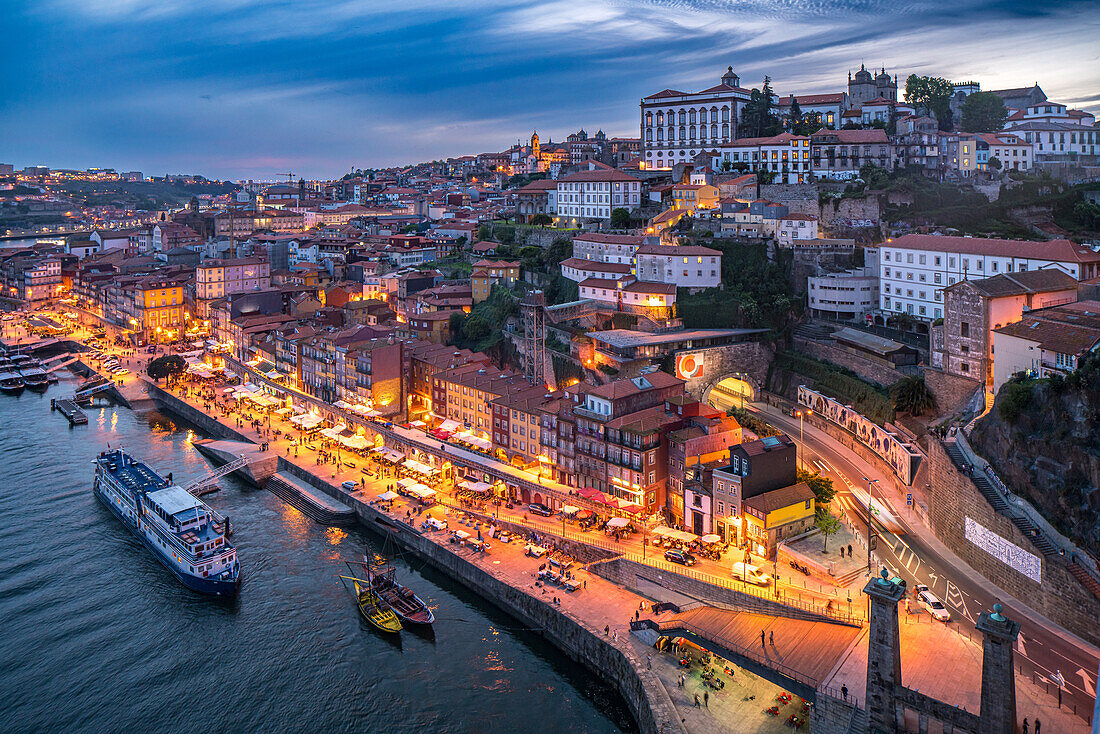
952 392
751 358
1059 596
869 368
858 219
169 403
633 575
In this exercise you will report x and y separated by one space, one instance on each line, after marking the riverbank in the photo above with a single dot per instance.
592 626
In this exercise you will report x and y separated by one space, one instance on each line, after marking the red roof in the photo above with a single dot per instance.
812 99
677 250
610 239
595 266
598 175
1053 250
871 135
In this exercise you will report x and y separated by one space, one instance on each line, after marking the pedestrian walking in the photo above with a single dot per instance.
771 638
648 661
849 550
841 551
706 699
844 692
696 700
1037 724
1026 725
762 638
606 630
586 583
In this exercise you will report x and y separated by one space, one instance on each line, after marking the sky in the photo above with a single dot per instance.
253 88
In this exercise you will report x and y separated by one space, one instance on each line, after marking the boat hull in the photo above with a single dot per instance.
209 586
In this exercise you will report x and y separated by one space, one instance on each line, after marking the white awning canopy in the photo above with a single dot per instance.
388 496
618 522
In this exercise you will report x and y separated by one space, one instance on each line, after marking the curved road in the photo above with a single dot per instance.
1043 650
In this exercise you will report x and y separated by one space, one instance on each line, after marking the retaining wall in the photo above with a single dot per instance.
880 372
169 403
1058 596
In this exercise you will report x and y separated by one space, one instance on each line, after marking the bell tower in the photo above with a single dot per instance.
535 144
731 79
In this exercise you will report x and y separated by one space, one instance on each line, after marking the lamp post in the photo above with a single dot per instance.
801 414
870 527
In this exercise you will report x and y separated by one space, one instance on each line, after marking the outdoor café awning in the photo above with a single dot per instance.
473 440
406 482
388 496
422 491
449 425
618 522
419 467
710 538
394 457
680 535
569 510
284 411
341 405
354 442
479 487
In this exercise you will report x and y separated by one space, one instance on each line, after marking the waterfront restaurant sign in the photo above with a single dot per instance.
688 365
892 449
1004 551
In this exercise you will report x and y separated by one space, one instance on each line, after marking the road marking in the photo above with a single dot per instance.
1086 682
1020 645
956 599
932 575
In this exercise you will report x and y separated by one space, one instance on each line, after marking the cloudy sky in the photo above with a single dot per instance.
251 88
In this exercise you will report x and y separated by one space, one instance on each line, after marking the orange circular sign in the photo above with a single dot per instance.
688 366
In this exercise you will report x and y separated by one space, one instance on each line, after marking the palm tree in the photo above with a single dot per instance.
911 395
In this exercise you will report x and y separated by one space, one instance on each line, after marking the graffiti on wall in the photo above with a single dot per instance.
1005 551
895 451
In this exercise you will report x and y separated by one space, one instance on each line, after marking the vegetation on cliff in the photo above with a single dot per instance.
1043 438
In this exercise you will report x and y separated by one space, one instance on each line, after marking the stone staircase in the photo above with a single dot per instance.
860 724
813 332
293 496
992 496
1085 578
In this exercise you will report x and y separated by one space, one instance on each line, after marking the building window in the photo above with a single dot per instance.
964 330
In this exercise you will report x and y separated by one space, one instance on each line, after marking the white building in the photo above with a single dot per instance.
786 156
676 126
684 266
1050 112
823 109
578 269
791 227
607 248
1013 152
852 294
1058 140
592 194
629 292
915 268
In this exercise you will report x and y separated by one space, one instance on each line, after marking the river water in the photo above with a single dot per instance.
95 635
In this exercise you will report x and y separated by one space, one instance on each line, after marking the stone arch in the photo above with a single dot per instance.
739 388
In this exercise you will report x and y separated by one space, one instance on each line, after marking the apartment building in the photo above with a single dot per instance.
973 309
465 394
607 248
684 266
700 445
851 294
785 156
1046 342
839 154
219 278
487 273
517 422
629 293
592 194
914 269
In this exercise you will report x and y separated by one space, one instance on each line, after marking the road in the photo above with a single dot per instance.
1043 652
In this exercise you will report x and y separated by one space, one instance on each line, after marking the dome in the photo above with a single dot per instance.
883 77
863 75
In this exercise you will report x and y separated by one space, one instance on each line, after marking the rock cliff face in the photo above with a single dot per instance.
1043 438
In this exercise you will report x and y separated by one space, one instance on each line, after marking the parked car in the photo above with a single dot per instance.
678 556
122 372
536 508
751 574
349 485
929 601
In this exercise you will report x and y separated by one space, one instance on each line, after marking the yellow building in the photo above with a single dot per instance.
693 197
159 313
771 517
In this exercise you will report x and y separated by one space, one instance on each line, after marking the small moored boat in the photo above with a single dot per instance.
401 600
11 382
371 607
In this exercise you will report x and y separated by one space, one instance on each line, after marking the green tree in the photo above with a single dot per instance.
983 112
170 365
911 395
876 178
892 120
542 220
828 524
475 328
620 218
794 117
822 487
931 94
484 232
994 163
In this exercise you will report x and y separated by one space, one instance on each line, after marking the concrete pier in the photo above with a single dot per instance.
261 464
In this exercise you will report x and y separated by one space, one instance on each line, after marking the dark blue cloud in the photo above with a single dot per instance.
244 88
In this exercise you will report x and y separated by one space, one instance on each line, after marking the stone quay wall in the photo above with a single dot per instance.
614 661
169 403
878 371
1058 596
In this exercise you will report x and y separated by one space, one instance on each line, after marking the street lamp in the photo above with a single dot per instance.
801 414
870 528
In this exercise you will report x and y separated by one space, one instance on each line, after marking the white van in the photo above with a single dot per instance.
750 573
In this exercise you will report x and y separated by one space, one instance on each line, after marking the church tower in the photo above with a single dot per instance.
730 79
535 144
